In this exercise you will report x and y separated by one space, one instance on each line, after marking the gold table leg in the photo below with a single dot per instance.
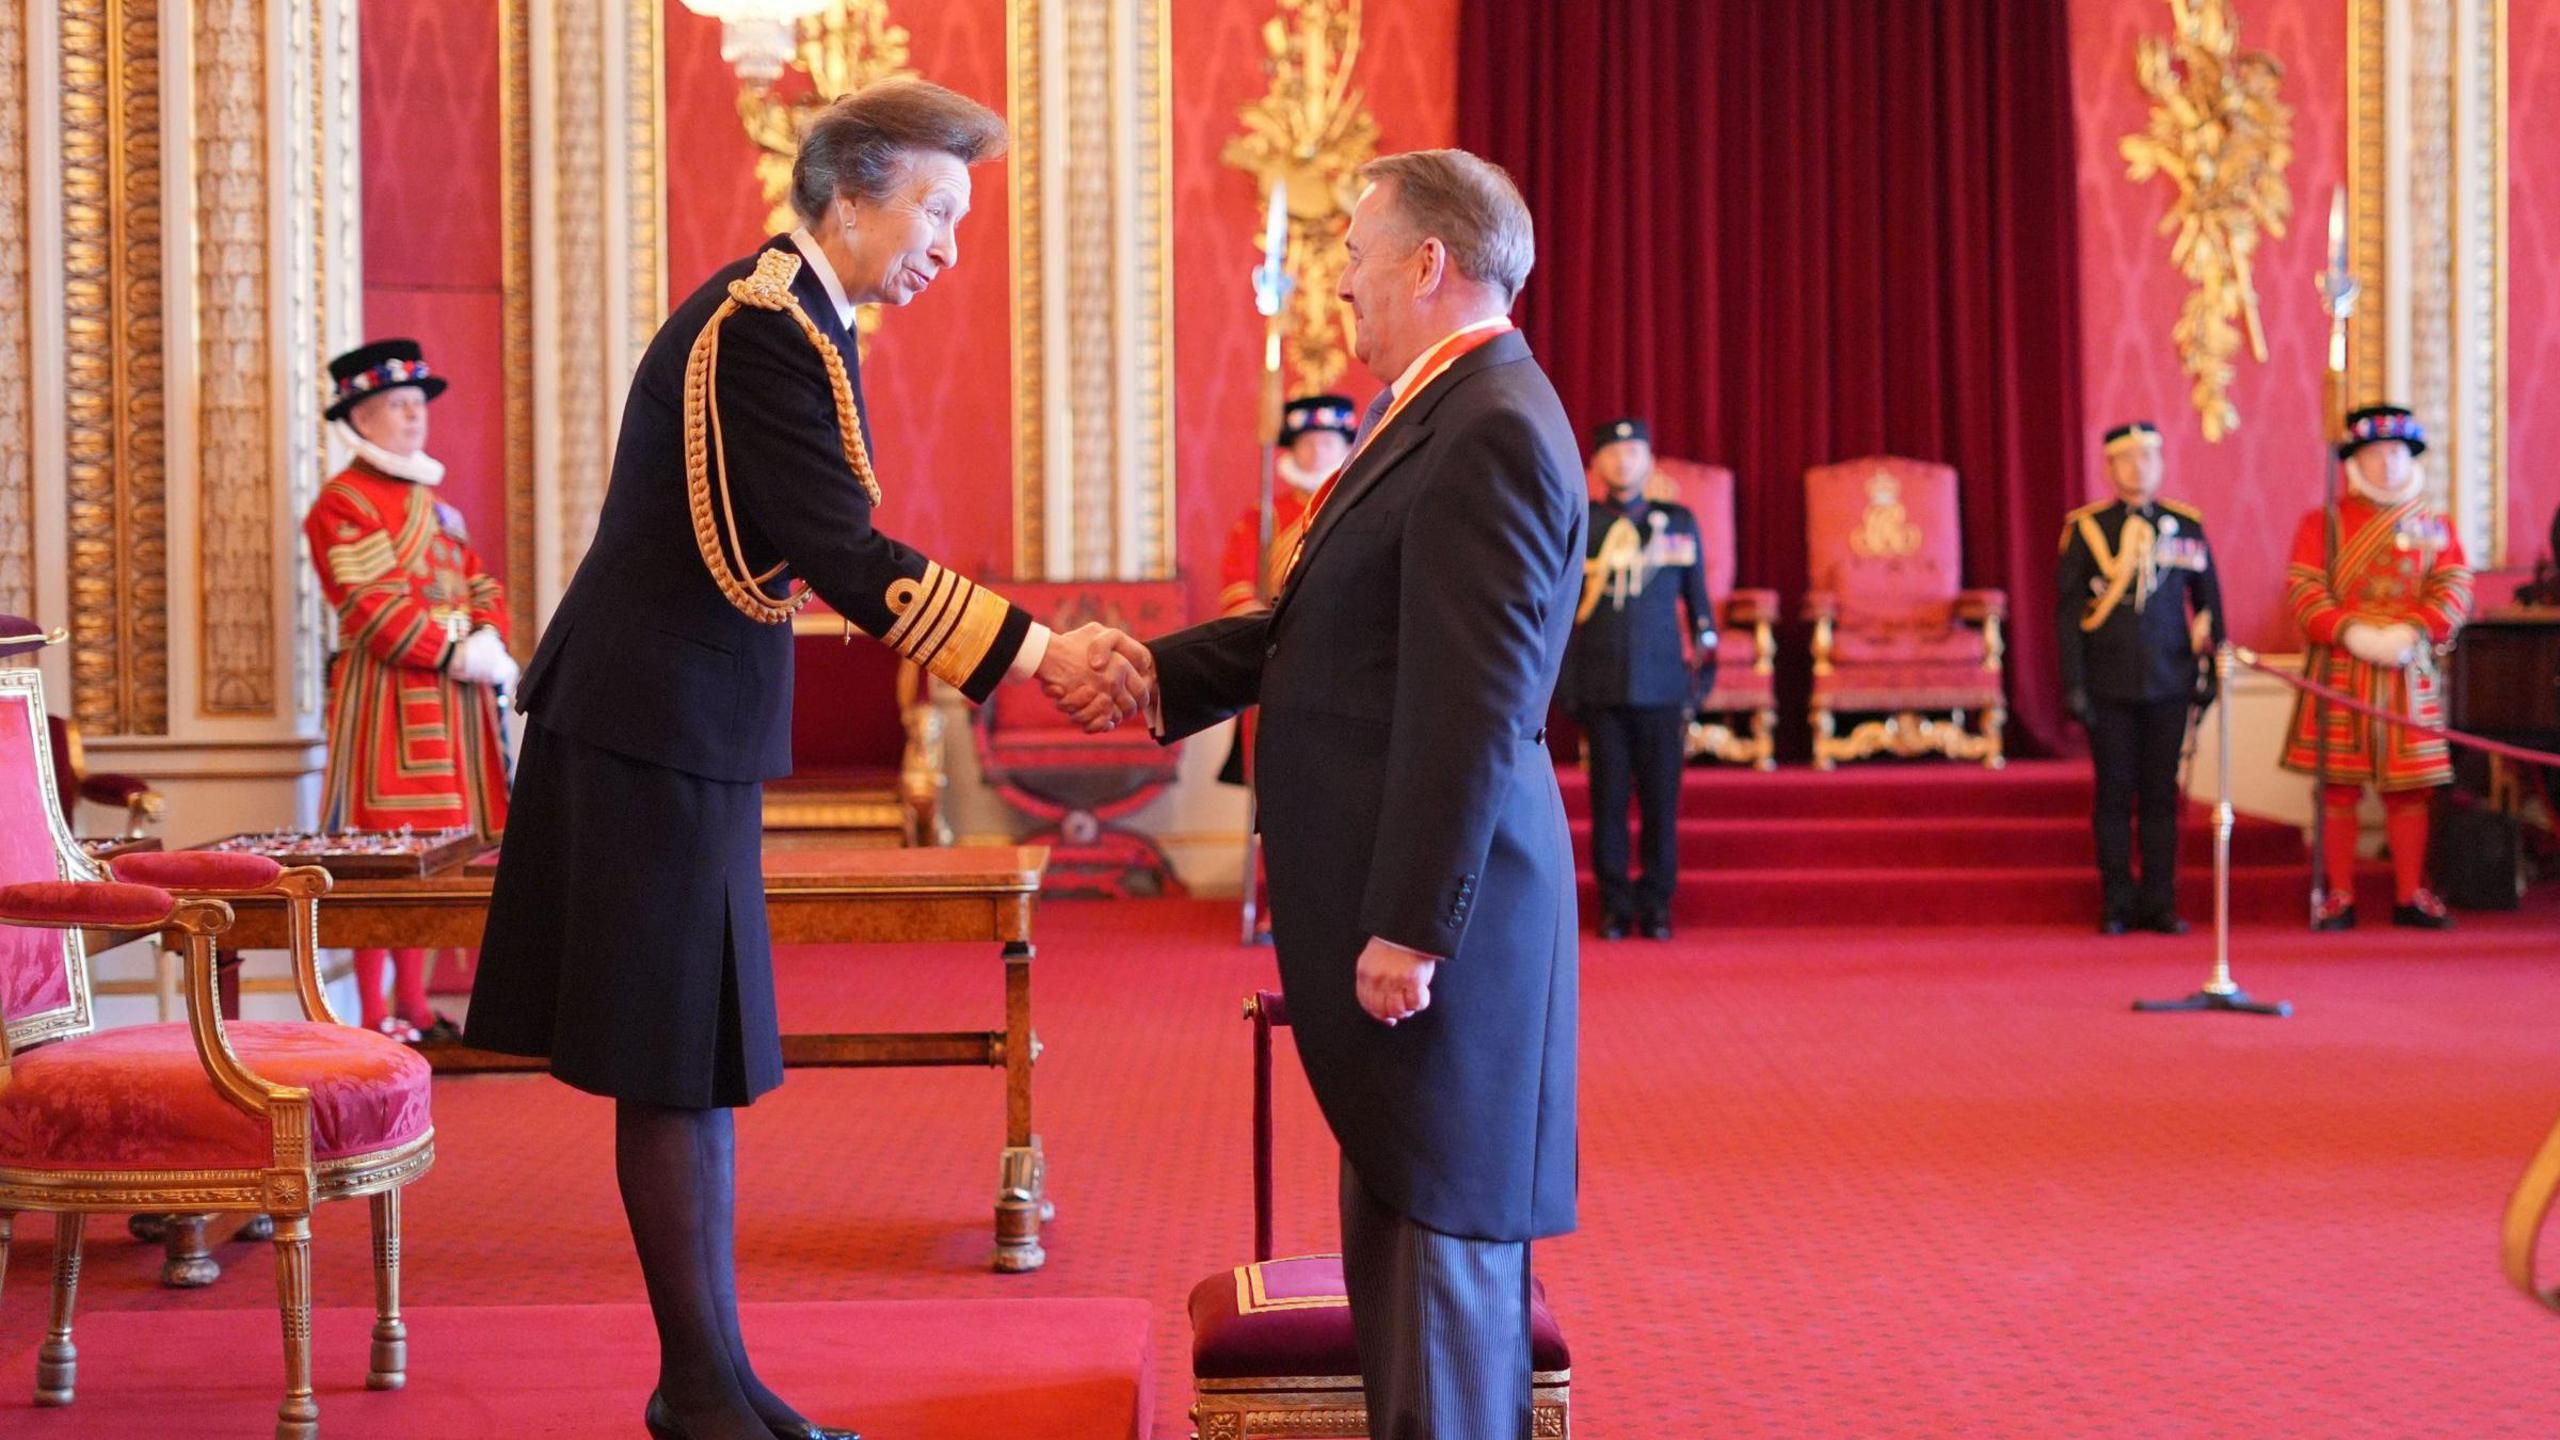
1022 1190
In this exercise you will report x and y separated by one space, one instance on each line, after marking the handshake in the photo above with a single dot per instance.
1098 676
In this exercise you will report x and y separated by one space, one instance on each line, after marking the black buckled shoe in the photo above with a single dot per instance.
2423 912
2339 913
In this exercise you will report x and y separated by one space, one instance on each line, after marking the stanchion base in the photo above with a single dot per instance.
2237 1000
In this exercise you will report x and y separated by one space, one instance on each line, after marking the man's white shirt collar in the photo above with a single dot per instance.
826 273
1412 371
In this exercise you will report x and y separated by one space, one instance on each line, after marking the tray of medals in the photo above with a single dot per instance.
360 854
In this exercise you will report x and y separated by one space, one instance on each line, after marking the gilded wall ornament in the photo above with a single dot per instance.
848 45
1310 133
2224 140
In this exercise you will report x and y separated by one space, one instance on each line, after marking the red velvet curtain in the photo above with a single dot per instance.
1798 232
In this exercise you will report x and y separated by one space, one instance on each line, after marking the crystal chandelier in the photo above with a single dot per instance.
757 37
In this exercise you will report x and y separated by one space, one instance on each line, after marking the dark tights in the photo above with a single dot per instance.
678 1170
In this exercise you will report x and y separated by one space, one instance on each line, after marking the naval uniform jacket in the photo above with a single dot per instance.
2143 652
1407 793
645 656
626 939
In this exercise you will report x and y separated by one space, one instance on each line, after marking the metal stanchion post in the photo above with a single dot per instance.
2219 992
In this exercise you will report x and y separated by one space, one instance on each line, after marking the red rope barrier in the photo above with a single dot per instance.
2341 698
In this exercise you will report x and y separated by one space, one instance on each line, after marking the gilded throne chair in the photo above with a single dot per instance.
866 744
142 805
1076 787
198 1115
1736 721
1897 639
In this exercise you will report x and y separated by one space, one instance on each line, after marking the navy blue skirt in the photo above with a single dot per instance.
626 940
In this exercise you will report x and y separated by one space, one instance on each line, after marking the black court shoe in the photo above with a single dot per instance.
1614 928
807 1431
2341 918
2165 922
1658 928
2111 924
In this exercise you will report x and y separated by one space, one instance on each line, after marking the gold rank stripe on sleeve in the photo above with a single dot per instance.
946 623
363 561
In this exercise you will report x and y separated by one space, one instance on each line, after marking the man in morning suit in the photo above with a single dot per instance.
1628 680
2140 616
1421 877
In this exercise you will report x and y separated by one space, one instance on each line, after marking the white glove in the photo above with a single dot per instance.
2408 640
482 659
2373 644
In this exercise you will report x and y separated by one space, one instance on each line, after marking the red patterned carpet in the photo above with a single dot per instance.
1870 1183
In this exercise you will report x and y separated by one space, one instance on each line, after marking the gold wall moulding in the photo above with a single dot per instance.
115 437
1309 134
2223 139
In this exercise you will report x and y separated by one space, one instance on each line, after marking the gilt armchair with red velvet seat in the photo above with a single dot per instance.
1272 1351
1737 721
193 1116
141 804
1078 785
1897 637
866 743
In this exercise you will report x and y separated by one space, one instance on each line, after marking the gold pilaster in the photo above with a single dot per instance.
1092 449
115 442
515 306
17 485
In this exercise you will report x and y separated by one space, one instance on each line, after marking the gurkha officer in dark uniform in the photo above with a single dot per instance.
1626 680
2139 617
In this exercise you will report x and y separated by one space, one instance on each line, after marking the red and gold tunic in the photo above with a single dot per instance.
1240 572
408 744
2396 564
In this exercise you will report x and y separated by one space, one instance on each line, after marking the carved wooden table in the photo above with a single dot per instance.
974 894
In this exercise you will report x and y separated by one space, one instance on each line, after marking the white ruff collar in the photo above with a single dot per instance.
2384 498
421 468
1296 476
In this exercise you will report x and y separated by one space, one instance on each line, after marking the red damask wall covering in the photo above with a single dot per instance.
2533 276
2255 484
429 76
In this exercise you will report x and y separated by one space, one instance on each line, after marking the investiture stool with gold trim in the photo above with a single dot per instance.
626 938
2377 601
2140 615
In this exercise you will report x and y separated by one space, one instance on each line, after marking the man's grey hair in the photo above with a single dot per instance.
862 144
1469 205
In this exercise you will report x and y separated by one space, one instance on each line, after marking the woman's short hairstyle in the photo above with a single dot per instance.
861 144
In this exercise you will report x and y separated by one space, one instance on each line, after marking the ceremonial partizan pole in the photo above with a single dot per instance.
1272 285
2338 292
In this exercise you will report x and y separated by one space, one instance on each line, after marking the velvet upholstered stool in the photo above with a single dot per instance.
1272 1353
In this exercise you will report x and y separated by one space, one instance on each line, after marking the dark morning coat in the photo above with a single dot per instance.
1406 792
626 938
